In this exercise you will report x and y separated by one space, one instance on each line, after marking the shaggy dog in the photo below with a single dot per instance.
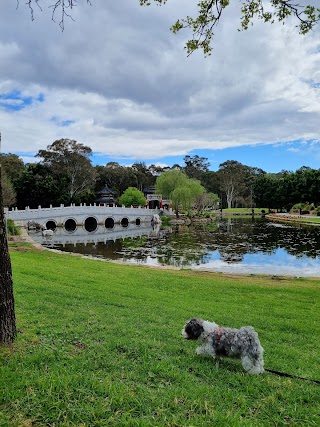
241 343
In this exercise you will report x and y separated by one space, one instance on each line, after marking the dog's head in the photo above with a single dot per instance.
193 329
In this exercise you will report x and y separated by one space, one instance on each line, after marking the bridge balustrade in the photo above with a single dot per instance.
88 216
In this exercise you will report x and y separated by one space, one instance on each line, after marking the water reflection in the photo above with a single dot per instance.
80 237
232 245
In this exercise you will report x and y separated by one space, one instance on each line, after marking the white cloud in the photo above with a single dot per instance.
121 83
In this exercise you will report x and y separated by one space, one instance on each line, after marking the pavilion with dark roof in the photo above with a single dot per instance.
105 196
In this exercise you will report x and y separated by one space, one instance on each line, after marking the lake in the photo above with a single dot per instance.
233 245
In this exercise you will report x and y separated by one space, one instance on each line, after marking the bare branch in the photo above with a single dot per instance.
61 7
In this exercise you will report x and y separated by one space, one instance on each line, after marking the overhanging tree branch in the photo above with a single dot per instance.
210 12
62 7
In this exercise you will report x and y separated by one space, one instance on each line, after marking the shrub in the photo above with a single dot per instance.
132 197
304 208
13 230
165 220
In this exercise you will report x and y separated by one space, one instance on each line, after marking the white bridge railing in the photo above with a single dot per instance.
62 213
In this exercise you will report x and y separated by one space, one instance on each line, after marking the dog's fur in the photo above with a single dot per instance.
241 343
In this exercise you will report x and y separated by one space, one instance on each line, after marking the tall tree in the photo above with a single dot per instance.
38 185
69 158
117 177
268 192
155 171
12 165
206 200
232 179
175 185
143 175
7 314
8 193
307 185
284 189
250 177
196 166
210 180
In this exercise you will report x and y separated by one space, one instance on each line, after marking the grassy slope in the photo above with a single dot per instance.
244 210
99 344
297 219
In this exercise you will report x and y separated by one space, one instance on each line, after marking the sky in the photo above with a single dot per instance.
116 79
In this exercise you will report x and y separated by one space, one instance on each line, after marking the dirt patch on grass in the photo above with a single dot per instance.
23 238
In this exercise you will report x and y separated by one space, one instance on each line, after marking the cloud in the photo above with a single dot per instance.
117 80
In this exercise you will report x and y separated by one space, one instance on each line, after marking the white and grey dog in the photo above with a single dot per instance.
241 343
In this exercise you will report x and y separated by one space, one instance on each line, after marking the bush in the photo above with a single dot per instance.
13 230
205 215
297 208
303 208
165 220
132 197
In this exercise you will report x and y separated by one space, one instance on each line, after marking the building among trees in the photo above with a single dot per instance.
105 196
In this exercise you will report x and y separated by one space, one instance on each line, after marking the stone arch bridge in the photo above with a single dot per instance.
84 217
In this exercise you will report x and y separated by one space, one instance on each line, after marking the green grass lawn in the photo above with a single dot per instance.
313 220
244 210
295 219
99 344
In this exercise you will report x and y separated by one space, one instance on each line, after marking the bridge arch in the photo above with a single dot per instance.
91 224
51 224
124 222
138 221
109 222
70 225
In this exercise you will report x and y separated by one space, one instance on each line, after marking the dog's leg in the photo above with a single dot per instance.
257 367
206 348
257 361
252 366
201 350
247 363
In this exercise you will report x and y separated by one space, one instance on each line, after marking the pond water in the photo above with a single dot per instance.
234 245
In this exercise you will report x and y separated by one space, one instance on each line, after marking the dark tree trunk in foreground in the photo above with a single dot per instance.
7 314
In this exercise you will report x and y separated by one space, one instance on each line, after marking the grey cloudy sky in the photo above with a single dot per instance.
117 80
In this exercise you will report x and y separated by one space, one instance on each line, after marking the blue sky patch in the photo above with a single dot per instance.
16 101
61 123
312 83
40 97
268 157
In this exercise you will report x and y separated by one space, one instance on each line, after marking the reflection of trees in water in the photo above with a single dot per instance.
232 239
181 248
248 237
235 238
106 249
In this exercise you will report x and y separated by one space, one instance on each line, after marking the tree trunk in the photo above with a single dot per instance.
7 314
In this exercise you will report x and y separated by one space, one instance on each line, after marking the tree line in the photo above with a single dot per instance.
65 175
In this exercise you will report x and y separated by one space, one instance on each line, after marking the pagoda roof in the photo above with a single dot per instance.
106 190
